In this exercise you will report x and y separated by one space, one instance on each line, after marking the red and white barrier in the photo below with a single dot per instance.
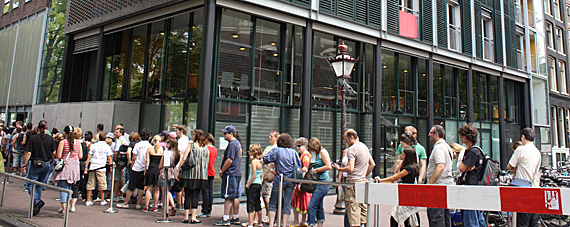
511 199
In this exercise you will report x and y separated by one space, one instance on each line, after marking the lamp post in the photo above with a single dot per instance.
342 66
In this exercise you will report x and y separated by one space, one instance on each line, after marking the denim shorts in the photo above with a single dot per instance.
18 158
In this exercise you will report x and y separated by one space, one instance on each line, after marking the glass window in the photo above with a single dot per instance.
389 82
191 113
540 101
512 101
368 78
6 6
547 7
172 113
488 43
494 98
553 114
268 72
463 95
116 53
406 85
484 98
556 5
561 134
541 55
15 4
324 78
177 62
264 119
562 76
293 65
52 59
138 47
549 35
438 76
292 118
156 45
450 92
454 25
235 55
552 74
422 87
195 53
559 40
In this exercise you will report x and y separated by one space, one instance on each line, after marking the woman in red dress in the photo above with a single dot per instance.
300 200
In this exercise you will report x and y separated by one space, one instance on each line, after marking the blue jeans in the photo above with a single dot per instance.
63 195
38 174
473 218
287 196
315 209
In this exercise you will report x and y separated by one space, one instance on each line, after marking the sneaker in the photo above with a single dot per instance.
155 209
159 205
97 200
202 215
38 206
122 205
145 209
88 203
222 222
265 220
138 207
235 221
103 203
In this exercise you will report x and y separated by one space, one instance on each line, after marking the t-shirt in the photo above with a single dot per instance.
183 143
358 153
41 149
411 177
527 159
441 154
213 154
140 150
99 152
420 151
269 148
472 157
120 141
233 151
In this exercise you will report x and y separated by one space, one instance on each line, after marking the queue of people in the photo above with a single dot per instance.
140 172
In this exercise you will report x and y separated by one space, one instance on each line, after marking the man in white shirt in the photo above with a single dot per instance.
136 178
99 156
120 158
525 163
439 172
183 142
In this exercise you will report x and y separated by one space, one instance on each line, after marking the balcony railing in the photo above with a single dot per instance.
531 19
521 60
454 37
488 49
519 15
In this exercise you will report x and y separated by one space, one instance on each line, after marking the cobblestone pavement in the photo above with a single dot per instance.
17 203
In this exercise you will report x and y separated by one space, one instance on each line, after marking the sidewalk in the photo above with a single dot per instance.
17 204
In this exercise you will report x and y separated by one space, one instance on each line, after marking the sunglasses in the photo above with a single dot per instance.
300 145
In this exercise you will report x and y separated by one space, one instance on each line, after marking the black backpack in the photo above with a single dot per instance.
489 175
122 155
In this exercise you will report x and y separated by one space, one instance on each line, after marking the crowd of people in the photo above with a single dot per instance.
141 171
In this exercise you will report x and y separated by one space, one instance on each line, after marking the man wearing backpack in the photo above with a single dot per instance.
120 148
525 163
471 167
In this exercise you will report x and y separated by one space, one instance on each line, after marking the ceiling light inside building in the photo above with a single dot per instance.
242 48
235 36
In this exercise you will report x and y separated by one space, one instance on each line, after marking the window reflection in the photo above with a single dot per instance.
294 65
138 47
175 78
155 54
422 87
406 84
116 53
389 82
438 71
267 83
324 78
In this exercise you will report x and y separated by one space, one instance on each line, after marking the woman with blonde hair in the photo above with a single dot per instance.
153 156
253 184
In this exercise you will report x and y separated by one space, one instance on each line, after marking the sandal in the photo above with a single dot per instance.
173 212
195 221
185 221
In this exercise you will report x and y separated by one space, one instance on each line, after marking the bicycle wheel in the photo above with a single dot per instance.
554 220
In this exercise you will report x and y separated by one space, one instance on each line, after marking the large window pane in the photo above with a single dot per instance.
176 67
422 87
438 76
232 111
264 119
191 113
294 65
195 54
291 121
172 113
155 55
389 82
494 91
540 101
406 84
151 116
485 105
324 78
267 83
450 92
368 79
116 53
235 57
463 95
138 47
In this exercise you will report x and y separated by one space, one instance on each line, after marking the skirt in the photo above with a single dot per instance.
300 200
151 177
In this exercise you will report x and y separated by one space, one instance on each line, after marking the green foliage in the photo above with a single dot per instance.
52 61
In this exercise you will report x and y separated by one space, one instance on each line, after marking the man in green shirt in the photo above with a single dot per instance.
420 150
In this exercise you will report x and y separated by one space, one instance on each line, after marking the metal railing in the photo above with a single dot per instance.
521 60
519 14
280 199
34 184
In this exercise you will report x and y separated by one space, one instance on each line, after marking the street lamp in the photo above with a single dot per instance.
342 66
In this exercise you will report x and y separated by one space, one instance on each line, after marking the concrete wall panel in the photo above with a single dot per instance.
127 113
37 114
105 114
62 118
89 116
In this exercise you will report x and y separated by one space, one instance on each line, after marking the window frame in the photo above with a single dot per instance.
550 34
487 29
547 7
559 40
552 74
456 26
562 76
6 9
557 10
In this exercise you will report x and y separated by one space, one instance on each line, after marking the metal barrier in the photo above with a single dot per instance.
33 191
280 199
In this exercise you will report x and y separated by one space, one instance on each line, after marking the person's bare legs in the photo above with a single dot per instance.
271 218
285 219
228 207
155 194
295 217
236 207
102 195
170 199
147 196
303 218
72 204
259 216
127 196
89 193
250 217
139 197
194 212
179 197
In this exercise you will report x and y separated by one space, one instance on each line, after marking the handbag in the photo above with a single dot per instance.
310 188
269 174
61 163
190 160
297 171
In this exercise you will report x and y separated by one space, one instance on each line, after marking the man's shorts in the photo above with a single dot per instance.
98 176
136 181
356 212
18 159
119 173
266 189
230 187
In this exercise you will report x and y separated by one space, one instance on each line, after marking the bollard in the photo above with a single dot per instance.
280 201
165 198
66 214
32 194
3 191
111 209
514 219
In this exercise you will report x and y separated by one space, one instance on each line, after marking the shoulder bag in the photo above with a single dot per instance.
519 182
297 169
190 160
310 188
61 163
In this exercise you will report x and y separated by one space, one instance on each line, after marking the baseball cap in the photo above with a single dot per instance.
229 128
173 135
111 135
164 133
